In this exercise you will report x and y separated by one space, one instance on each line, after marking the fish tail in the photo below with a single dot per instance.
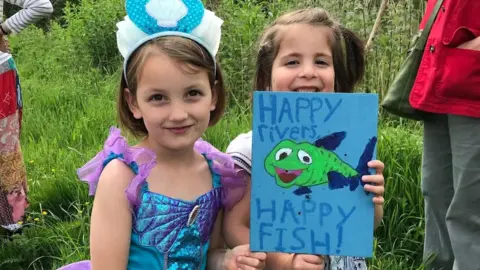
362 167
367 155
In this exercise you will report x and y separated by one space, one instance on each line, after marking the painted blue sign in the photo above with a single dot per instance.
309 153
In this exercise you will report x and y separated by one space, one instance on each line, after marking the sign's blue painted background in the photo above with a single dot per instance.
307 198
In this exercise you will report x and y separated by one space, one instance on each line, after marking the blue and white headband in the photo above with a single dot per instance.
149 19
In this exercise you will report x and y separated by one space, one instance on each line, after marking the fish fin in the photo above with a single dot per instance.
302 191
332 141
336 181
354 182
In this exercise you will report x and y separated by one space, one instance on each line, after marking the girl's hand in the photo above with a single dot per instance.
376 182
241 258
4 45
308 262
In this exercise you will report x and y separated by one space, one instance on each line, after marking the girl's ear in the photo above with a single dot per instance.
213 104
132 103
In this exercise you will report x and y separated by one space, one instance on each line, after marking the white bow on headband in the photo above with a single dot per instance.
148 19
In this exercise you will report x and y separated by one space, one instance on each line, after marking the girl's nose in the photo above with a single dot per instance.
308 71
178 113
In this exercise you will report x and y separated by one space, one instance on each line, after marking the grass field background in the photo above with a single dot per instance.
69 76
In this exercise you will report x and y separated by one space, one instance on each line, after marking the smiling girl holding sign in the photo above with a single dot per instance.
303 51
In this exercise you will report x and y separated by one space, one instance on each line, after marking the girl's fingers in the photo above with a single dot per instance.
313 259
377 190
378 165
378 200
374 179
247 263
257 255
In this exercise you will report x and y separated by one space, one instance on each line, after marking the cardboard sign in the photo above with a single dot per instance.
309 153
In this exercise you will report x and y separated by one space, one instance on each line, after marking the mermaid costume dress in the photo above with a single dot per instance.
167 233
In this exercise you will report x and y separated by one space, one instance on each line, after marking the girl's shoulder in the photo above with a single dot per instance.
232 182
240 149
139 161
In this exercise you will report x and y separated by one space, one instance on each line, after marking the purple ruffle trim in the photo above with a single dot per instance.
143 160
81 265
116 147
233 180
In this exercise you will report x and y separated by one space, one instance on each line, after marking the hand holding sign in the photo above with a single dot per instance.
4 44
377 180
241 257
308 262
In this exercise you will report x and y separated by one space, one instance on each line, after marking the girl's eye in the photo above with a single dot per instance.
157 97
292 62
194 93
321 62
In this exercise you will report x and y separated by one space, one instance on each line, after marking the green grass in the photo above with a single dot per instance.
70 75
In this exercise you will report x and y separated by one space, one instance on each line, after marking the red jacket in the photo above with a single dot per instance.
448 79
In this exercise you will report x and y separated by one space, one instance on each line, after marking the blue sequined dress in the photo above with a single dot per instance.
167 233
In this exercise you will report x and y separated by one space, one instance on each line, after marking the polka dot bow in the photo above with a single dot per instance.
148 19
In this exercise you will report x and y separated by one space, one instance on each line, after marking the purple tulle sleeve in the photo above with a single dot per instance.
232 179
140 160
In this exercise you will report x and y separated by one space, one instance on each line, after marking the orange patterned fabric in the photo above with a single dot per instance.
12 169
13 180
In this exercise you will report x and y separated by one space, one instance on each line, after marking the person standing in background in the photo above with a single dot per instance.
447 86
13 180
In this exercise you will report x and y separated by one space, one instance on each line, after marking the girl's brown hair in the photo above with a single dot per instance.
347 49
191 55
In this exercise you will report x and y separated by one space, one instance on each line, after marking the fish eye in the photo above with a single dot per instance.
283 153
304 157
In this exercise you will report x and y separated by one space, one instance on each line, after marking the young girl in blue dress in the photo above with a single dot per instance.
159 204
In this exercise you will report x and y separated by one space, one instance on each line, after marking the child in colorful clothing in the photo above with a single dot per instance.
13 176
158 204
307 51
